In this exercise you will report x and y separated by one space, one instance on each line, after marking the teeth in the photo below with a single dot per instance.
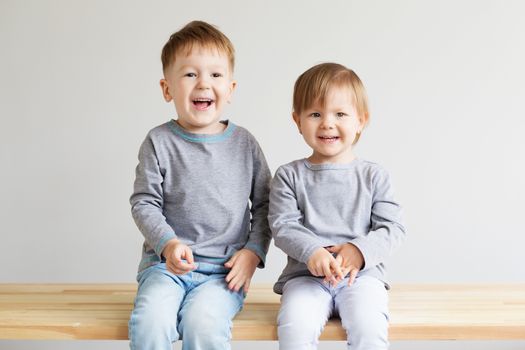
202 100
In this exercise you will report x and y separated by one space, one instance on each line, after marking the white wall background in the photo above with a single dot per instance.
79 90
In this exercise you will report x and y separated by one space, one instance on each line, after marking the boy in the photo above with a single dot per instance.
335 217
195 180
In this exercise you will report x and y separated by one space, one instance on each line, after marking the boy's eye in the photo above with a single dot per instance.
315 115
216 75
341 114
191 75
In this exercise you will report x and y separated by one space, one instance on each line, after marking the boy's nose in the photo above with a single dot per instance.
203 83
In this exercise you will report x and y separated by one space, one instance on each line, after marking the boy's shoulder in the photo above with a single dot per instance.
160 130
243 132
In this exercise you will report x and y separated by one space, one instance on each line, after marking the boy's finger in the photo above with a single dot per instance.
182 267
230 262
235 284
189 256
229 276
233 273
247 285
174 269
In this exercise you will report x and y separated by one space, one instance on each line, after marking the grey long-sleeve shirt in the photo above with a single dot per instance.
208 191
319 205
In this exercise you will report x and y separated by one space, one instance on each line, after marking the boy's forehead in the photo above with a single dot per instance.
201 49
211 51
210 54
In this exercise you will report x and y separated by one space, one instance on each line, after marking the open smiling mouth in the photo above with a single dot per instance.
202 103
329 138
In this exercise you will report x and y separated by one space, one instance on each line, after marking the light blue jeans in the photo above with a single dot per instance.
307 303
197 307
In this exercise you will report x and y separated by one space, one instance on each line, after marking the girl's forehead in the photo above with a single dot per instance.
335 94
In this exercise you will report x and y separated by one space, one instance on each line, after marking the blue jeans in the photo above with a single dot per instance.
197 307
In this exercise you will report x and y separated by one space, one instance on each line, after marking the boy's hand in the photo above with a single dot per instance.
242 265
350 258
179 257
322 263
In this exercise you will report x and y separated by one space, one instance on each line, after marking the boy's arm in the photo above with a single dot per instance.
260 234
286 220
147 199
387 231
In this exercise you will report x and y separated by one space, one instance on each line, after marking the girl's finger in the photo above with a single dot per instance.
353 274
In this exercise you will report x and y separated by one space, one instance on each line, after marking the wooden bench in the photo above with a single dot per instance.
101 311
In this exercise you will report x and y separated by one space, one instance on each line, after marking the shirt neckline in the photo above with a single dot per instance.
202 138
331 166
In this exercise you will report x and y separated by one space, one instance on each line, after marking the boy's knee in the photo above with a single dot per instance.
150 330
205 330
153 320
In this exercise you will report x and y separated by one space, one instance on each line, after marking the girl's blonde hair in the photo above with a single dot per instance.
312 87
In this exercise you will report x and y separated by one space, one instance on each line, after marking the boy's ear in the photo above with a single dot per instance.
297 121
233 85
165 90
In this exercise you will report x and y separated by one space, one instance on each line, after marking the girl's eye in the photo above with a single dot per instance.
315 115
216 75
191 75
341 114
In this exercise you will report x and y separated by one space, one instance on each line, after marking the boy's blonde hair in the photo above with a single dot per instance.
196 33
312 87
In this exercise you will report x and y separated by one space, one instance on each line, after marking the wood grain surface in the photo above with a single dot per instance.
101 311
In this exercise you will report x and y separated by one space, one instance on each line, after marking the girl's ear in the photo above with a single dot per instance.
165 90
297 120
363 119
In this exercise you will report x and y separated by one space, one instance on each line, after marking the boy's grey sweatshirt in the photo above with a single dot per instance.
320 205
208 191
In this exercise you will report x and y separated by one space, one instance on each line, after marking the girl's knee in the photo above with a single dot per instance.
299 330
367 332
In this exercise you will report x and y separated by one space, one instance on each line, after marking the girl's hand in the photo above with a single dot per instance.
322 263
350 258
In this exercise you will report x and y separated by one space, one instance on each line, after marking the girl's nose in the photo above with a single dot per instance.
327 122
